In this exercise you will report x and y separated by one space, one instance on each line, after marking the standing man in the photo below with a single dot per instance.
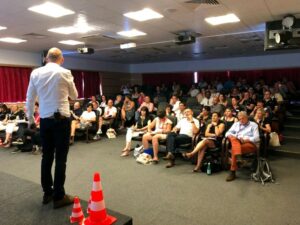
53 85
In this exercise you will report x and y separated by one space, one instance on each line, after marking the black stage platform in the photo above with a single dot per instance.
20 204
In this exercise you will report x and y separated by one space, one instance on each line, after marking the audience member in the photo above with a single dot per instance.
76 112
180 113
157 130
182 133
213 138
247 102
174 102
110 113
128 112
216 106
138 129
228 119
244 138
207 100
85 120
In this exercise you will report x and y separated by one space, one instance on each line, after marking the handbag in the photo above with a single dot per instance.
274 140
144 159
111 133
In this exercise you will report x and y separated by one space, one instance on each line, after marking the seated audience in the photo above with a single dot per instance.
157 130
118 102
147 103
213 138
12 123
169 111
244 138
193 92
270 102
85 120
139 128
103 102
236 107
223 100
76 112
110 113
128 112
216 106
204 118
3 112
180 113
228 119
93 99
207 100
247 102
182 133
174 102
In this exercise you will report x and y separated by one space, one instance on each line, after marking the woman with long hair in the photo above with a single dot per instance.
136 130
213 137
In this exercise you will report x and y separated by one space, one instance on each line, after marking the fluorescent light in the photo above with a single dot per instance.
128 45
71 42
195 77
12 40
131 33
71 29
229 18
51 9
143 15
3 28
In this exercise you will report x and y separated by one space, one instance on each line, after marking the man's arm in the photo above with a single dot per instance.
73 94
30 100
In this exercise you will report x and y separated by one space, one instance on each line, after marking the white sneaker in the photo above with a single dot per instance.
96 137
99 132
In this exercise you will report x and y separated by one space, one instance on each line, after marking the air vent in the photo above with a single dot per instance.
207 2
35 35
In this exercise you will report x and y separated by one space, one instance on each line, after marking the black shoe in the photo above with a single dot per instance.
171 163
65 201
47 199
168 156
231 176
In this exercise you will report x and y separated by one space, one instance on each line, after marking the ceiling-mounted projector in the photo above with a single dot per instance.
85 50
184 38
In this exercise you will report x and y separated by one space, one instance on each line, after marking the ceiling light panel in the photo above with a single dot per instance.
12 40
3 28
128 45
131 33
143 15
71 42
51 9
71 29
229 18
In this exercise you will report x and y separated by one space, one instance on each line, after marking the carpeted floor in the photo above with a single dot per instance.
152 194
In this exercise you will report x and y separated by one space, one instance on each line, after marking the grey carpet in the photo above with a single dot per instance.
156 195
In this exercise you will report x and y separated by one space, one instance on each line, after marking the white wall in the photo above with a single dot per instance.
94 65
30 59
19 58
238 63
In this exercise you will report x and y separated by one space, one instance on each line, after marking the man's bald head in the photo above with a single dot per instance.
55 55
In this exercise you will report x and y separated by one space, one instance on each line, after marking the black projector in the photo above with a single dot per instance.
85 50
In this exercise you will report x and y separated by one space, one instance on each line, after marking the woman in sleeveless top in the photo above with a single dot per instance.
213 137
128 111
228 119
138 129
157 130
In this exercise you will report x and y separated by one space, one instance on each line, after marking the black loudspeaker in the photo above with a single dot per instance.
44 55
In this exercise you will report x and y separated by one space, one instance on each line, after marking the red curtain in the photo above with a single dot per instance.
91 83
168 78
251 76
78 80
13 83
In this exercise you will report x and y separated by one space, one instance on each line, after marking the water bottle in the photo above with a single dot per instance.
208 170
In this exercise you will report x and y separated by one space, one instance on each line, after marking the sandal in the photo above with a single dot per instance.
126 153
155 161
185 155
197 170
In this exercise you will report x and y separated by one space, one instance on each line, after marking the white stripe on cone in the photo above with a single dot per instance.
76 215
97 206
77 205
97 186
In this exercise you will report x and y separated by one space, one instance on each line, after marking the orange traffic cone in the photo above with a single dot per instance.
89 205
77 214
97 211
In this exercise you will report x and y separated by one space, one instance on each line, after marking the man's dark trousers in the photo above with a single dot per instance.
55 135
